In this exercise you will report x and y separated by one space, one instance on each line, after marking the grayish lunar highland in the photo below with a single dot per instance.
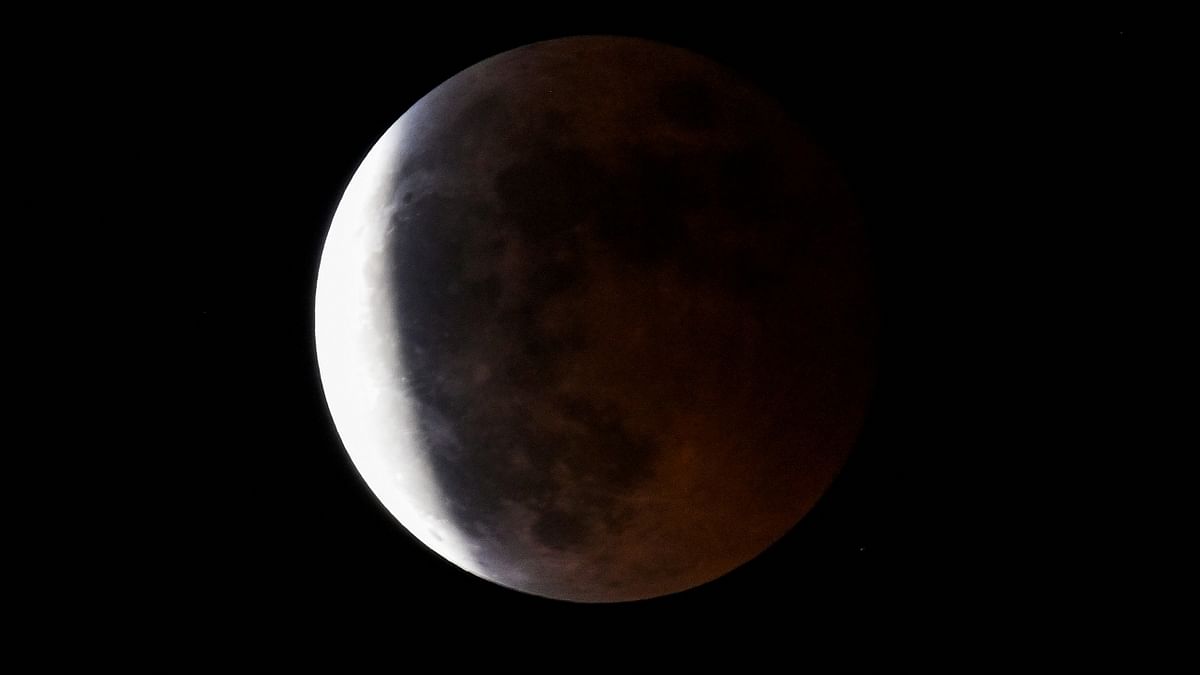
593 320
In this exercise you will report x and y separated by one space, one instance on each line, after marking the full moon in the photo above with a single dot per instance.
593 320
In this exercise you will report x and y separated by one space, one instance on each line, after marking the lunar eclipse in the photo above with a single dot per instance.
594 320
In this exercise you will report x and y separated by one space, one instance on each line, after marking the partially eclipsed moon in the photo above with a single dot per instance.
593 322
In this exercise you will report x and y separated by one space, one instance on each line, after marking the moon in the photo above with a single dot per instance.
594 322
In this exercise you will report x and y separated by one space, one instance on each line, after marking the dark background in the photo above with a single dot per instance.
1002 506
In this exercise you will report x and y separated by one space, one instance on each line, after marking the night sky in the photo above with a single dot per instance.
979 521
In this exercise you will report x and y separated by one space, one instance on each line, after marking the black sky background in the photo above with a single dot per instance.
1001 507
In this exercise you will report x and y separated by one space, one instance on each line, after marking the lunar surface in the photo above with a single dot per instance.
593 320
